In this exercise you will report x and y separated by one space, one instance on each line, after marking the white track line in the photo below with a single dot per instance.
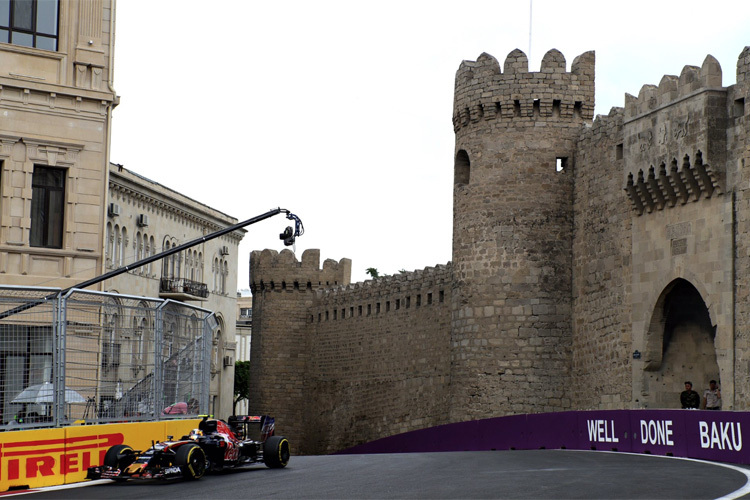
68 486
730 496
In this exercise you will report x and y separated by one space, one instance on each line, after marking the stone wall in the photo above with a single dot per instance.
513 230
601 270
596 265
338 363
674 142
738 176
380 359
283 293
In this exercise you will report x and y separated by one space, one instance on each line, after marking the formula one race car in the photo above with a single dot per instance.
214 445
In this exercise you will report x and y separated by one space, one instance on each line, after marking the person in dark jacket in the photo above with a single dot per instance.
690 399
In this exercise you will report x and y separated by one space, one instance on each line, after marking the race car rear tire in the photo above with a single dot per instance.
276 452
191 459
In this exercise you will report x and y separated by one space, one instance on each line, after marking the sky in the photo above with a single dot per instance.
340 111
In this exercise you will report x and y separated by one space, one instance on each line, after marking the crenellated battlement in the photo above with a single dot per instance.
483 92
692 79
604 125
274 270
426 279
673 149
743 66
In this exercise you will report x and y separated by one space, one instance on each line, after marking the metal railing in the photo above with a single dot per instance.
100 357
182 285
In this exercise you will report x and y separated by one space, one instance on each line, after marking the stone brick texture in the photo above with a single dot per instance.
512 232
380 360
601 369
572 237
738 183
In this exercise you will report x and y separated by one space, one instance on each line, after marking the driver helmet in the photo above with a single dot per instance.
195 434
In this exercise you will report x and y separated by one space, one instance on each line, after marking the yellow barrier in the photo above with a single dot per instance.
49 457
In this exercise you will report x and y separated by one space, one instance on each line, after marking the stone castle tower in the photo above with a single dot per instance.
597 264
283 292
516 135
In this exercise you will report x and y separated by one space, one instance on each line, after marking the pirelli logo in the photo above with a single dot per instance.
50 457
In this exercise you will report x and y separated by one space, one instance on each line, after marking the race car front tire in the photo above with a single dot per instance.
191 459
276 452
119 456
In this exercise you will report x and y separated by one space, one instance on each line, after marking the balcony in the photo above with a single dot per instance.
182 289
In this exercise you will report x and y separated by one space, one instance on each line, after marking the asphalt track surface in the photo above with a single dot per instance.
534 474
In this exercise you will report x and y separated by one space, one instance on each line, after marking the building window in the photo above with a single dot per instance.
25 360
138 250
30 23
110 247
461 169
123 247
215 272
47 207
224 276
137 361
561 163
189 266
110 345
199 275
117 238
150 251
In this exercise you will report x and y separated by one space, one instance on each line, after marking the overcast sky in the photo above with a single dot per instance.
341 111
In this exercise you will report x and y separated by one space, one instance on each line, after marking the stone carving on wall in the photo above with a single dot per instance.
52 155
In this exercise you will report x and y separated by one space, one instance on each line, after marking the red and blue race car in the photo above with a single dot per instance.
213 446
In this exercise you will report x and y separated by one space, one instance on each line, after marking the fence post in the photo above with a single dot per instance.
58 359
158 394
209 326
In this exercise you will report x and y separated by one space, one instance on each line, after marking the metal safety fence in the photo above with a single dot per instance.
95 357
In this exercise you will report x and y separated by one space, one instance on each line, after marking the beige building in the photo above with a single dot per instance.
243 336
67 216
56 103
145 218
244 326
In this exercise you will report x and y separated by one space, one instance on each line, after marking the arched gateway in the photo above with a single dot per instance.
680 346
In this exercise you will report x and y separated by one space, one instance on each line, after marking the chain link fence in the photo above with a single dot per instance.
100 357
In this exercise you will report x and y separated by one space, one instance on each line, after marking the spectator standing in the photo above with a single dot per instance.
712 397
690 399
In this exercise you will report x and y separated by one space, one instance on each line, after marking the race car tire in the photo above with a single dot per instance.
191 459
276 452
119 456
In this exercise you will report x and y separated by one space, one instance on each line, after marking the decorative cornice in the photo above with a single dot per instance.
157 204
52 153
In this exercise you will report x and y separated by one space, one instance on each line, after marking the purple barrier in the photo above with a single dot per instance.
606 430
718 436
660 432
543 432
708 435
502 433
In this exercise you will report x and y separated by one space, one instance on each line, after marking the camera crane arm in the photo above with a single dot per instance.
288 236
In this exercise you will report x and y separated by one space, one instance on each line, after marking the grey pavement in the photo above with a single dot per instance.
536 474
